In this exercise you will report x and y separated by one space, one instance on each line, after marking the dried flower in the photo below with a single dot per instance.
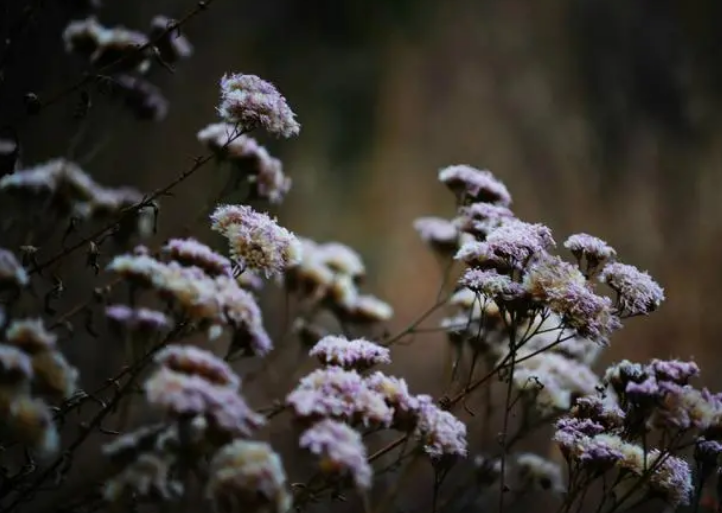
142 321
12 274
251 101
638 293
197 362
247 476
595 250
480 219
441 234
475 185
440 433
256 241
149 475
537 473
356 354
31 422
171 44
493 285
30 336
190 252
341 450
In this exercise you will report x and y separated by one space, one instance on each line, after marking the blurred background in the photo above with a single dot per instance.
602 117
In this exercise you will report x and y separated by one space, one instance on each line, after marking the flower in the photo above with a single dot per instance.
340 394
257 241
190 252
539 473
594 249
498 287
358 353
172 45
441 234
440 433
12 274
138 320
247 476
481 218
638 293
475 185
149 475
197 362
341 450
395 392
250 101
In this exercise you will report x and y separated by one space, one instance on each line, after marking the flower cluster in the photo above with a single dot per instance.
249 101
329 275
213 300
263 172
610 432
198 393
70 191
256 241
32 367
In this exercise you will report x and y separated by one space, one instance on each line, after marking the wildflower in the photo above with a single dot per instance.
395 392
31 336
144 99
12 274
172 45
138 320
440 433
474 185
15 366
480 219
493 285
595 250
539 473
638 293
358 353
140 269
197 362
266 174
341 450
54 376
247 476
366 308
341 259
183 395
250 101
441 234
256 241
336 393
675 371
105 46
190 252
31 422
149 475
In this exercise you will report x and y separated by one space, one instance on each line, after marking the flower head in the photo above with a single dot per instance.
341 450
190 252
250 101
595 250
638 293
248 476
12 274
441 434
197 362
475 185
357 354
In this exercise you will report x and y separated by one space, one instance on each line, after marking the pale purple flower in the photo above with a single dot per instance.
601 410
12 273
590 314
365 308
172 45
622 373
183 395
478 254
475 185
396 393
198 362
439 432
141 320
595 250
242 312
707 455
341 450
341 259
499 287
256 241
539 473
638 292
30 336
646 391
441 234
141 269
15 366
673 480
359 354
149 475
674 370
248 476
251 101
481 218
191 252
336 393
517 241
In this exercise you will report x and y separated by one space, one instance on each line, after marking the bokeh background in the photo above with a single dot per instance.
599 116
